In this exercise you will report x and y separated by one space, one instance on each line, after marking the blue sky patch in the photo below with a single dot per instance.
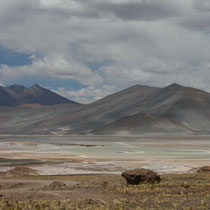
10 58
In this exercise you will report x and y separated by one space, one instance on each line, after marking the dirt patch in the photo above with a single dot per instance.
15 185
20 171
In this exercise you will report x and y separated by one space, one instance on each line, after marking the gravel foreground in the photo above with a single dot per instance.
175 191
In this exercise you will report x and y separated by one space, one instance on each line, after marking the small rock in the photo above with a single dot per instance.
90 201
105 185
57 185
138 176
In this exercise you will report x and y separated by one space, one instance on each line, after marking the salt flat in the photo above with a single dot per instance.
53 155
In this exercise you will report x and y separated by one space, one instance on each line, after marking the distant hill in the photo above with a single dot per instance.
18 95
134 111
187 108
142 124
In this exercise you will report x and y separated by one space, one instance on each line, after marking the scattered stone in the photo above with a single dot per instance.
186 186
20 171
17 185
204 169
138 176
57 185
29 196
105 185
90 201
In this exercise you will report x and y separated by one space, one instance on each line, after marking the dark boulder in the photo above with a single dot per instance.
138 176
204 169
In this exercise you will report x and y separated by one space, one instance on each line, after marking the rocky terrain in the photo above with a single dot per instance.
174 109
180 191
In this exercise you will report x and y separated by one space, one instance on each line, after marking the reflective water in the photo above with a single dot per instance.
105 146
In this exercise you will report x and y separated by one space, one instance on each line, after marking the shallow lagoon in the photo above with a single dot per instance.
110 153
106 146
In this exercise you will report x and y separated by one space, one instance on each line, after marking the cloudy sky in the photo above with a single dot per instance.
86 49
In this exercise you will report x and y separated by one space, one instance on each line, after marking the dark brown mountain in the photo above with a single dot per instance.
18 95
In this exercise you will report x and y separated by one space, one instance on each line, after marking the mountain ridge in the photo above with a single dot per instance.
142 123
136 110
16 95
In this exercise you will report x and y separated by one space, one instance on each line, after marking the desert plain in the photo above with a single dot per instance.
84 172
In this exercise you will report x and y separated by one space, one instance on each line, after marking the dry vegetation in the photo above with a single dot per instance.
186 191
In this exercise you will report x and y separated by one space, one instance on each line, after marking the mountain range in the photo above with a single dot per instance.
18 95
137 110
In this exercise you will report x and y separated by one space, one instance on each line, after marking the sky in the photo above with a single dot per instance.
87 49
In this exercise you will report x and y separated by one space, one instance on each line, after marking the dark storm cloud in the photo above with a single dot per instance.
199 22
142 10
201 5
197 16
153 42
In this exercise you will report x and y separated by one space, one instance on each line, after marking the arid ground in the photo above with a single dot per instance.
86 174
180 191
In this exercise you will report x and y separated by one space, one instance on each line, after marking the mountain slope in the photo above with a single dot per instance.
138 109
141 124
186 106
192 109
18 95
6 99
